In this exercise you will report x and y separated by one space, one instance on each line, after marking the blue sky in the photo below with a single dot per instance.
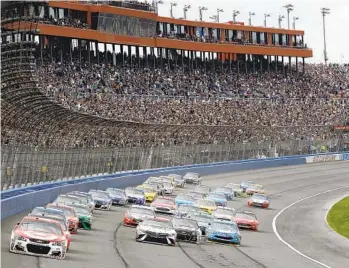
308 11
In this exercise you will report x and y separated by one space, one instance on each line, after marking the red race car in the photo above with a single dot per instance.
164 204
39 237
246 220
136 214
73 220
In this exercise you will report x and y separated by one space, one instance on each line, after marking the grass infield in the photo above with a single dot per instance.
338 217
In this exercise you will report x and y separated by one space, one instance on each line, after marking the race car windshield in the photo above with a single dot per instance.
80 210
218 196
41 226
38 211
134 191
235 186
247 183
178 222
163 201
256 187
194 175
158 224
67 199
225 212
185 197
67 211
117 193
223 227
142 211
100 195
188 208
259 196
245 216
167 185
83 200
208 203
60 220
201 218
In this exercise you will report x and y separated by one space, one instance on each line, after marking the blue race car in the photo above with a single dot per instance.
135 196
224 232
245 184
118 196
227 191
184 199
219 199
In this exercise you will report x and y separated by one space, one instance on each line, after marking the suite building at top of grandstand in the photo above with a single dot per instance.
155 41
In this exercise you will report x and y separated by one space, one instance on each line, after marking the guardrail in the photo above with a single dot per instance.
17 200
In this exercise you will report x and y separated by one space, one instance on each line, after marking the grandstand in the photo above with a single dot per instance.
161 92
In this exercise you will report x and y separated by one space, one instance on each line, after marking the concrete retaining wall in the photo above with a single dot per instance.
17 200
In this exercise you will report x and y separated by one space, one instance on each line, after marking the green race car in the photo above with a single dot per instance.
84 215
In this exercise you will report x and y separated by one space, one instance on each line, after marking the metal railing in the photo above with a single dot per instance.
23 166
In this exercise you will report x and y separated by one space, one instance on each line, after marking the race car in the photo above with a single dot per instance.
64 198
158 187
168 188
245 184
155 231
192 178
167 179
184 199
135 196
73 220
136 214
224 214
224 232
149 193
152 179
219 199
255 189
84 200
236 189
64 226
178 180
203 219
246 220
187 230
39 237
196 195
202 189
183 210
102 200
259 200
206 205
84 215
118 196
91 203
227 191
164 205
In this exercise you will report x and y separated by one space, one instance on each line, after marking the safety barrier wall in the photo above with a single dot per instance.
17 200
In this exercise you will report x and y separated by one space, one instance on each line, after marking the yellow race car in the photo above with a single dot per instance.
149 193
206 205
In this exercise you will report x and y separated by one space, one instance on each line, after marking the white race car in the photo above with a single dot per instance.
39 237
193 178
156 231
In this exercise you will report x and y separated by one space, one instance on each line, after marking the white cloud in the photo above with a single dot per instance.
308 11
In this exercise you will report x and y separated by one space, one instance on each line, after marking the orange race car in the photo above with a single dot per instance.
246 220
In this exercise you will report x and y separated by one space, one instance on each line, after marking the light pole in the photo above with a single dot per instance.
219 11
289 8
294 22
157 3
325 11
185 9
280 19
235 13
265 19
171 10
250 17
214 18
200 11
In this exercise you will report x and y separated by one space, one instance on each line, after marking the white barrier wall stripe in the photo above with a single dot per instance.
289 245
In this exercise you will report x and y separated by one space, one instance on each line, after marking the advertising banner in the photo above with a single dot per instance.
323 158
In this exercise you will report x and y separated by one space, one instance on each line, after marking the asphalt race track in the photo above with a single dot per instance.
302 225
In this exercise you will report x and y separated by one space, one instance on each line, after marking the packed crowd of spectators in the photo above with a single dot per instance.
68 22
319 97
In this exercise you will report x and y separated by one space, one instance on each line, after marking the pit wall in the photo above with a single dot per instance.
18 200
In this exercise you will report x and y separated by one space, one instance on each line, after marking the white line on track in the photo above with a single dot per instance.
287 244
